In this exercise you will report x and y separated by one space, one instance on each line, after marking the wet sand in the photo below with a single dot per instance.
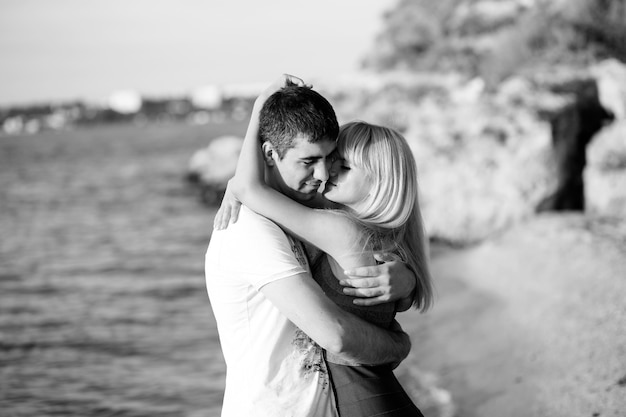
530 323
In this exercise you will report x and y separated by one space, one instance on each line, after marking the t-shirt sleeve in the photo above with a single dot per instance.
258 251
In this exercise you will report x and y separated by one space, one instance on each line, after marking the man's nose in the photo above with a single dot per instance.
321 171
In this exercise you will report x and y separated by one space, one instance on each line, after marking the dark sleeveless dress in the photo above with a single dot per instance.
363 390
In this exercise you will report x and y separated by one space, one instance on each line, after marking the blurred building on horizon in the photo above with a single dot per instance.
206 104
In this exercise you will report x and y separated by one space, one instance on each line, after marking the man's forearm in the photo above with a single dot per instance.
368 344
351 338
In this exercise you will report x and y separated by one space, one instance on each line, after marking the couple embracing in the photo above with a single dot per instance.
303 301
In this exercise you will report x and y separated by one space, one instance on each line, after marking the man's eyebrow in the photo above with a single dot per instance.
310 158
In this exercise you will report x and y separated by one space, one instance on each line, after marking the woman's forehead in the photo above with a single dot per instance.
336 154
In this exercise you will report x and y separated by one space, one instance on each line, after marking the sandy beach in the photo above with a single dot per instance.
529 323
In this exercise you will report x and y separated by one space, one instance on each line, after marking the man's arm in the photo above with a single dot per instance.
302 301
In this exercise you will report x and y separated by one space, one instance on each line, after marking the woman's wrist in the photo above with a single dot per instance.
259 102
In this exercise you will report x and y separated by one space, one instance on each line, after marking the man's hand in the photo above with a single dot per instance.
395 327
342 334
387 282
228 211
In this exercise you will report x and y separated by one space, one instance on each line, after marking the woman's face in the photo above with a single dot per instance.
347 184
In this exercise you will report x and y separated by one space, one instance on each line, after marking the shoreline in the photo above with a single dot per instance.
526 324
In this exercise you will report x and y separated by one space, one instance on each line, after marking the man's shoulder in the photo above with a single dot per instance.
249 222
251 229
257 247
248 218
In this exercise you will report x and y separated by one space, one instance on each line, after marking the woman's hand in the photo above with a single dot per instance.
285 80
228 211
387 282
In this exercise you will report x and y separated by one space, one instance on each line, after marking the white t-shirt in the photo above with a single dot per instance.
273 368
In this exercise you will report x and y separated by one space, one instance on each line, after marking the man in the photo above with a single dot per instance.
268 308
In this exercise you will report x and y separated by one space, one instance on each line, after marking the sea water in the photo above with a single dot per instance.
103 308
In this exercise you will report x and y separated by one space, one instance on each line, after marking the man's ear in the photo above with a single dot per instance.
269 153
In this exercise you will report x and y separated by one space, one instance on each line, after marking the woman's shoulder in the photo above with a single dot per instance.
355 237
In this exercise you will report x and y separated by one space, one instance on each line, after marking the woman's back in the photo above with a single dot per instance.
327 272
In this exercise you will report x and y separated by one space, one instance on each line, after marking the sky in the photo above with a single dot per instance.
60 50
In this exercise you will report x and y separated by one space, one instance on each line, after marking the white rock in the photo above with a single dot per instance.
605 173
215 164
611 77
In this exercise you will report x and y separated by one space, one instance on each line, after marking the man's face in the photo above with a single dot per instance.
302 169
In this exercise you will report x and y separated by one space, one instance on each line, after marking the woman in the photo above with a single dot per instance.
373 183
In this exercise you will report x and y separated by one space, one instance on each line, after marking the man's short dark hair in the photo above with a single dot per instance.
296 111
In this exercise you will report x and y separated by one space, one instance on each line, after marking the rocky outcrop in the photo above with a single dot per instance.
506 134
485 16
211 167
611 77
605 174
601 189
488 159
497 38
484 160
573 126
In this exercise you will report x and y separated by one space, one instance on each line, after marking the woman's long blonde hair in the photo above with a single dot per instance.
390 213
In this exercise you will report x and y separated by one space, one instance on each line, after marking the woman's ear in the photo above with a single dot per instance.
268 153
